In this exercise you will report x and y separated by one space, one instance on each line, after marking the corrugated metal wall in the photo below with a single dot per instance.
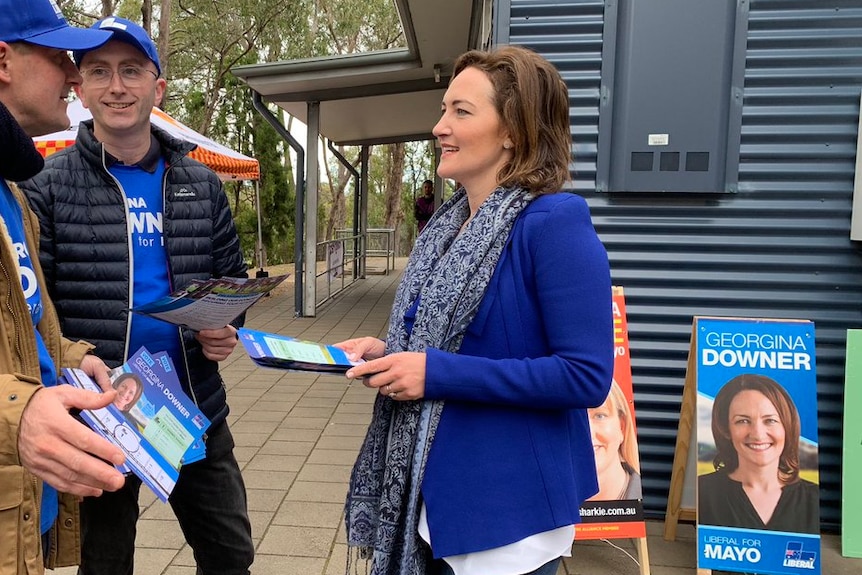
778 248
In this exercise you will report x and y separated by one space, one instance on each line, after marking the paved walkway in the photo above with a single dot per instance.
297 436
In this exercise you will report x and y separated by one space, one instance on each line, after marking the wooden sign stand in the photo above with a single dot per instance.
621 336
685 441
687 415
643 555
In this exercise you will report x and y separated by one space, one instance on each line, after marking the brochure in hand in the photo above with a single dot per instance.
152 420
285 352
210 304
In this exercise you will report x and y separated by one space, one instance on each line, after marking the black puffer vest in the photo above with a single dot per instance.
85 249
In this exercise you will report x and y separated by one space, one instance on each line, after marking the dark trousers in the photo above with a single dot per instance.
209 501
440 567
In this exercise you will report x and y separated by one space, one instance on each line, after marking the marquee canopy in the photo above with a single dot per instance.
227 163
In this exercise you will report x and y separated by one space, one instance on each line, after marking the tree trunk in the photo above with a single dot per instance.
338 201
393 214
164 39
147 15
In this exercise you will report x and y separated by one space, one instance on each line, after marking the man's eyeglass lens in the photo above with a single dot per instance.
130 76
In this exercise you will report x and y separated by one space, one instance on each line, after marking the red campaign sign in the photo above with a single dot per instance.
616 512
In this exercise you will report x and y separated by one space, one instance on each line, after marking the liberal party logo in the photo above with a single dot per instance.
794 556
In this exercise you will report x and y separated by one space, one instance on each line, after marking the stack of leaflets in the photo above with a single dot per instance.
209 304
152 420
284 352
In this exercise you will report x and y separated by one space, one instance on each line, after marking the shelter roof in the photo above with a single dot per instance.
378 97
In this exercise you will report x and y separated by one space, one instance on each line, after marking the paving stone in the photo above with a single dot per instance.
264 499
333 456
272 447
346 429
287 565
297 541
159 534
316 412
340 442
309 514
262 462
317 492
325 473
296 434
293 422
280 480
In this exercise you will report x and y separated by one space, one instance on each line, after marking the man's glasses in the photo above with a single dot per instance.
130 76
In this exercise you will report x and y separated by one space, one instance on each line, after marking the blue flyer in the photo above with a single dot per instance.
165 367
152 420
758 480
162 412
142 458
285 352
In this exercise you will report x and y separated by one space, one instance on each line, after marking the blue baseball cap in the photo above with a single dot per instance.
124 31
41 22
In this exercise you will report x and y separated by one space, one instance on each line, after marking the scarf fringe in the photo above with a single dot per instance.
356 557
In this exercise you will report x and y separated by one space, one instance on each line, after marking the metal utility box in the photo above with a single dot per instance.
670 96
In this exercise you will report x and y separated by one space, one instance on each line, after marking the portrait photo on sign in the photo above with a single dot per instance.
755 429
615 447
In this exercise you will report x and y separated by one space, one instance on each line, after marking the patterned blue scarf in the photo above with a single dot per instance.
450 271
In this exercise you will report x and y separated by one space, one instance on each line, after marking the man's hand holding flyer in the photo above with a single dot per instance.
152 420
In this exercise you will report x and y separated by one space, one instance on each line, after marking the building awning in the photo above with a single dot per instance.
378 97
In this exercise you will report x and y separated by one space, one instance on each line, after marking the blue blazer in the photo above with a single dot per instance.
512 455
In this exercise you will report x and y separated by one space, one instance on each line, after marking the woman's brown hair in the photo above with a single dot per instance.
533 103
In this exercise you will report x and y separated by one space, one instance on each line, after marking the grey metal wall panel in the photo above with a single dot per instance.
569 34
778 248
674 61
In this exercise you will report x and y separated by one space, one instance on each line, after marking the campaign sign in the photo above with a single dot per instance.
615 512
757 488
851 459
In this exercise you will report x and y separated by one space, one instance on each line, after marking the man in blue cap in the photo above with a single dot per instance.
39 439
127 205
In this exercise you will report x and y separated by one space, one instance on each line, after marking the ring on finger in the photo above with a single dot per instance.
392 394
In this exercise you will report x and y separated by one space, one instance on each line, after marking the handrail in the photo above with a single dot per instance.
377 242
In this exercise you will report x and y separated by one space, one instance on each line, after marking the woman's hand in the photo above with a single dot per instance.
362 348
401 376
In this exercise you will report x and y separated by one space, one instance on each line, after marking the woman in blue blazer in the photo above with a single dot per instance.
501 336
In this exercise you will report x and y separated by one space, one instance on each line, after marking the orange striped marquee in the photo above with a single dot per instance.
227 163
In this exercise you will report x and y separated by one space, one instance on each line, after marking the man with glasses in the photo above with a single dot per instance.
126 217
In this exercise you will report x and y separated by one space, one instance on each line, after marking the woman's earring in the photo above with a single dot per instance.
507 145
